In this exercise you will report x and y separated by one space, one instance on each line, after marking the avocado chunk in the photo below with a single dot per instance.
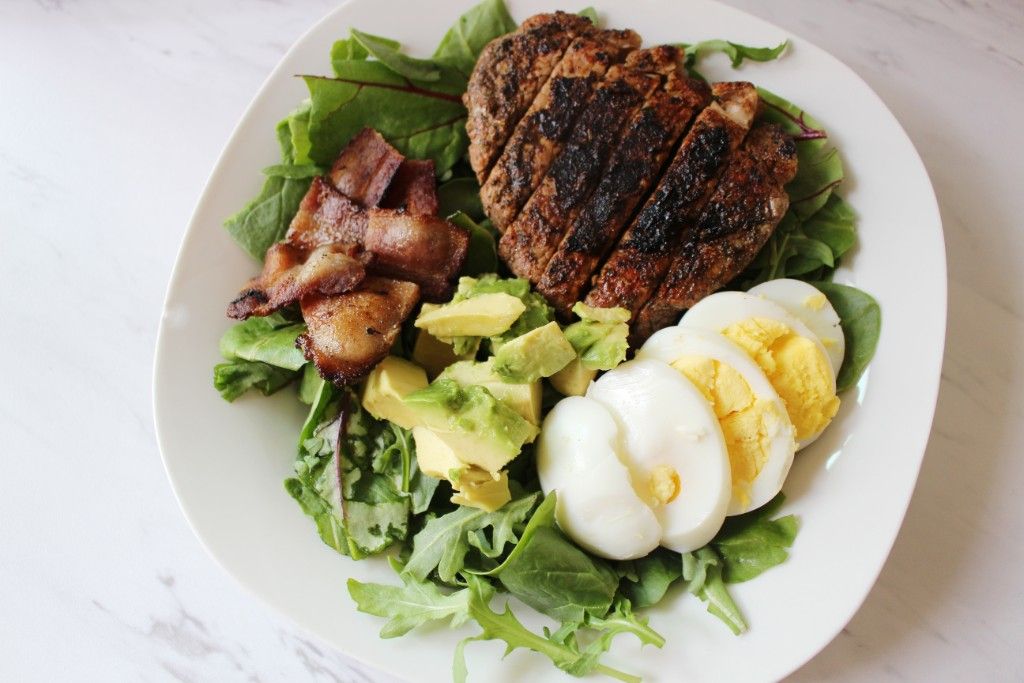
435 457
479 489
525 399
538 353
386 388
479 429
573 379
432 353
600 337
481 316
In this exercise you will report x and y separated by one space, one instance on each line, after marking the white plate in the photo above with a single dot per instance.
851 489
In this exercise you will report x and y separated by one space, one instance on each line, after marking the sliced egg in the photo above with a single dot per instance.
578 455
791 355
758 433
672 445
813 309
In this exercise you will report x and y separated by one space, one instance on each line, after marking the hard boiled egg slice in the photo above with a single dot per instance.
673 446
791 356
812 308
578 455
759 435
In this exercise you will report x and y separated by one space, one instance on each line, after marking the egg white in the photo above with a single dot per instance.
597 506
793 295
672 343
663 421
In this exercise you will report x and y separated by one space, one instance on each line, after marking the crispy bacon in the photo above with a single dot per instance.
290 273
428 250
364 169
326 215
413 189
350 333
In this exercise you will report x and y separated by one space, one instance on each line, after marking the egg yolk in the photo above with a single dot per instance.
749 424
795 366
664 484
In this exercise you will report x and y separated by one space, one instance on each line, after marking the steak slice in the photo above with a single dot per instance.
531 240
747 205
539 136
413 189
348 334
646 142
364 169
509 73
644 252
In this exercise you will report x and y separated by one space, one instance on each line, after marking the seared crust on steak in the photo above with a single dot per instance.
509 73
644 252
748 203
646 142
539 136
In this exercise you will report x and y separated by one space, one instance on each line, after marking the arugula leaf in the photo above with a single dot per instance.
749 544
387 52
654 574
600 337
861 319
702 569
234 378
482 255
564 652
269 339
328 522
736 52
460 195
551 574
444 541
464 41
409 605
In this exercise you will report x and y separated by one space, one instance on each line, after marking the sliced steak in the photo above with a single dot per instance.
509 73
644 252
348 334
532 239
747 205
539 136
646 142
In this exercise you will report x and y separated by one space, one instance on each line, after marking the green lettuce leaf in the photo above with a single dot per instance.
736 52
482 256
234 378
653 575
269 339
460 195
444 541
388 53
463 42
751 543
600 337
861 319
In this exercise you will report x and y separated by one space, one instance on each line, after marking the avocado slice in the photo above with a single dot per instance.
525 399
386 388
573 379
538 353
481 316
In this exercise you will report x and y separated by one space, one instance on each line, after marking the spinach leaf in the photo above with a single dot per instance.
460 195
654 574
749 544
234 378
551 574
861 319
293 172
387 52
269 339
736 52
408 606
464 41
444 541
702 569
350 48
482 256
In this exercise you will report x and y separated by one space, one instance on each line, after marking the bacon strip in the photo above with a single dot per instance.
413 189
364 169
348 334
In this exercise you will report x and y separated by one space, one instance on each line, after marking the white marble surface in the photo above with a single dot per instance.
112 114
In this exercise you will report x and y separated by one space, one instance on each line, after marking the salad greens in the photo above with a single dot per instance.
357 477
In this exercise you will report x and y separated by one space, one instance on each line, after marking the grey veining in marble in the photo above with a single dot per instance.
112 114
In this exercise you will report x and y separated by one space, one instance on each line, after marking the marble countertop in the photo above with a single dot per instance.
114 113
